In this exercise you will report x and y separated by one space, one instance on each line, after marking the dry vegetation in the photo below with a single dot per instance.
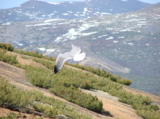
66 85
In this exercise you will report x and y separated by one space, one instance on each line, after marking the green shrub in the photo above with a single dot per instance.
34 54
6 46
14 98
39 77
63 87
47 109
49 64
10 116
147 114
72 94
11 59
10 96
103 73
2 52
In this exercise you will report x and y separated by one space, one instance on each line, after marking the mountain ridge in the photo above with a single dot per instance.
39 10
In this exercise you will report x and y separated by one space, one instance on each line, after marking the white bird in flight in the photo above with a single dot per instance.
76 54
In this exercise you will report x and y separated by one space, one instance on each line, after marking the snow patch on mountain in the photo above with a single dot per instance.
75 33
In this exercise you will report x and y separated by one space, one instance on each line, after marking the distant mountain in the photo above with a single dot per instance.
151 9
39 10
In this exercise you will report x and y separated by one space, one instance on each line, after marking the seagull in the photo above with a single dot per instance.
76 54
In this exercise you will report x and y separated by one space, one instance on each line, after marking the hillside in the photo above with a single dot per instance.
118 43
113 106
40 10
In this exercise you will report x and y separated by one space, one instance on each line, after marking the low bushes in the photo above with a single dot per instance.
63 87
67 81
77 78
11 116
30 53
34 54
103 73
138 102
147 114
73 94
11 59
14 98
6 46
48 63
96 71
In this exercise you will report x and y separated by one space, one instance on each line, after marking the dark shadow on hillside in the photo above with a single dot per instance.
106 113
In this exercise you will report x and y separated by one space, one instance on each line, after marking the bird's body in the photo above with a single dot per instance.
76 54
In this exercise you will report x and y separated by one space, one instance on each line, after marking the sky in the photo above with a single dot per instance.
4 4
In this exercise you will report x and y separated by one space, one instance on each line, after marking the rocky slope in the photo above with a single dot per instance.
112 107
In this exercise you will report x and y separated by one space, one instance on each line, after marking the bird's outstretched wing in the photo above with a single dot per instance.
79 57
74 50
60 61
74 54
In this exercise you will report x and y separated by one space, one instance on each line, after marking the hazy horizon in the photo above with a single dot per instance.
6 4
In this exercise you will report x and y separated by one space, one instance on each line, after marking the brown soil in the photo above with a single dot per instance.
112 107
5 112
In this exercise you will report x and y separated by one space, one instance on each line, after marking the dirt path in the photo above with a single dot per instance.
112 107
